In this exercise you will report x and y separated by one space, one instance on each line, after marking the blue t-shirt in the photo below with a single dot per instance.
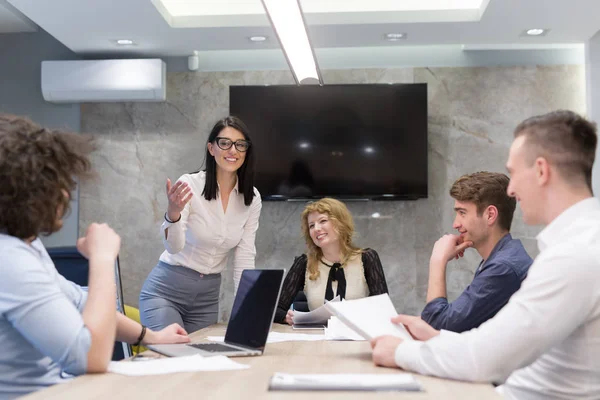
494 283
41 328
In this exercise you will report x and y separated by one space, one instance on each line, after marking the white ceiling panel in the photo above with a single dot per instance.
91 27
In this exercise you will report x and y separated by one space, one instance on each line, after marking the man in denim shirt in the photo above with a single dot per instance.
484 214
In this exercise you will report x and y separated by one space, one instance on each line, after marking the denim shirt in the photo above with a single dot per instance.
495 281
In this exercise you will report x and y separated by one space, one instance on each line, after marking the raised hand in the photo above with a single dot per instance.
99 241
178 195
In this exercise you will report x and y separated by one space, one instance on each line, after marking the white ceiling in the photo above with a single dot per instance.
12 21
91 27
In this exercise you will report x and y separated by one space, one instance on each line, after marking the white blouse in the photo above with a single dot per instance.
206 234
356 284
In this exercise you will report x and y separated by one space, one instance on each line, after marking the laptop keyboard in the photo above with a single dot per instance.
213 347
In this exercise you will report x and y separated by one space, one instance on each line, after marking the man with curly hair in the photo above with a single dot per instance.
49 325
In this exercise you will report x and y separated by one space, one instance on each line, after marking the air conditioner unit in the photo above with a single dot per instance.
104 81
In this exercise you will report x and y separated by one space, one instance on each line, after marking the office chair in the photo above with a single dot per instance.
300 302
74 267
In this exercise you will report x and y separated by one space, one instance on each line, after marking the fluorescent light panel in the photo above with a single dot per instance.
236 13
286 18
179 8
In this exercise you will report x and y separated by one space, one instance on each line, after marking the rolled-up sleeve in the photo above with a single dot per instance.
74 292
245 251
480 301
33 302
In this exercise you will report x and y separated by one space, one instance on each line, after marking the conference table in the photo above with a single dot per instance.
252 383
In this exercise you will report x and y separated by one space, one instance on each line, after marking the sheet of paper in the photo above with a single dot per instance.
370 316
277 337
318 316
171 365
337 330
377 382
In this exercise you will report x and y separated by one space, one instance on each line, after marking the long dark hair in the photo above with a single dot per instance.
245 173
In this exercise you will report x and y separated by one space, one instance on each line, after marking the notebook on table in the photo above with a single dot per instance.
363 382
250 322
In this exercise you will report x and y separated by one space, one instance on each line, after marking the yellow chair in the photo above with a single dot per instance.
134 314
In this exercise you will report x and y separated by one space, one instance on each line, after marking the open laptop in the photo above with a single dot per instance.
250 322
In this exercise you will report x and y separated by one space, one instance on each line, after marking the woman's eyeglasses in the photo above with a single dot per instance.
225 144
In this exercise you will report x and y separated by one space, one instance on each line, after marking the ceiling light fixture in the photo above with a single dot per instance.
535 32
257 39
394 37
288 22
125 42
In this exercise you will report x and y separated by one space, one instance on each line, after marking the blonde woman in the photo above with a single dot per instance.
333 265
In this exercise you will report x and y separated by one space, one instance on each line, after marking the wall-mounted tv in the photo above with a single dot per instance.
345 141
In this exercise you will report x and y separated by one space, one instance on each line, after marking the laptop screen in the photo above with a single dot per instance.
254 307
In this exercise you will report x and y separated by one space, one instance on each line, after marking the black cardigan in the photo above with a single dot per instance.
294 280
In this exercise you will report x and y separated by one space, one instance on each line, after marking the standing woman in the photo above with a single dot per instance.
210 213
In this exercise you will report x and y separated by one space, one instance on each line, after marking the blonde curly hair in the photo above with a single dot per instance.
343 224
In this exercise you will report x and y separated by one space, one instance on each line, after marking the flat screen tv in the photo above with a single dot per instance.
344 141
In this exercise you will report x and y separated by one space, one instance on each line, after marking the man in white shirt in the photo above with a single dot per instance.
545 343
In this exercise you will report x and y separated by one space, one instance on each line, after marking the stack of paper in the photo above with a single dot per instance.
379 382
370 317
337 330
175 364
318 316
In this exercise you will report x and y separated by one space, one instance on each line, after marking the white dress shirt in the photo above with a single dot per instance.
545 343
205 235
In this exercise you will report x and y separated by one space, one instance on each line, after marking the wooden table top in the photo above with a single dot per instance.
252 383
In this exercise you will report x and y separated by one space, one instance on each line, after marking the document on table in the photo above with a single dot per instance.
318 316
277 337
171 365
366 382
369 317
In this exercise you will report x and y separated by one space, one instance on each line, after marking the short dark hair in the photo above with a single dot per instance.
38 166
245 173
486 189
565 139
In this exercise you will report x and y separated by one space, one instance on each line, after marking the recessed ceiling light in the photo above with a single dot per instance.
536 32
124 42
257 39
393 37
